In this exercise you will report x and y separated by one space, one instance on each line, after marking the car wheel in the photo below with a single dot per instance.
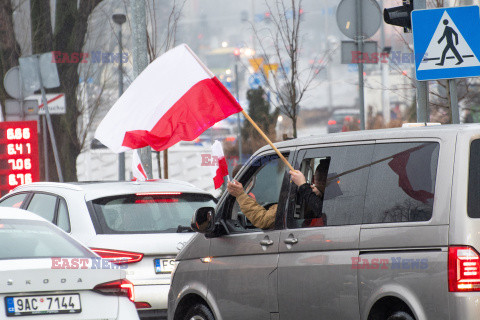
199 312
400 315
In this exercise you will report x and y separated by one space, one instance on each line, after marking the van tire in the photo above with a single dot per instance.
199 311
400 315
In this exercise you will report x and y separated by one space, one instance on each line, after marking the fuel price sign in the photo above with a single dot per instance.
19 162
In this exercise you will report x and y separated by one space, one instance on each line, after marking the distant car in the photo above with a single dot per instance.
143 224
222 134
32 288
338 118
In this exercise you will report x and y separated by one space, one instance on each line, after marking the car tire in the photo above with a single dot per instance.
400 315
199 312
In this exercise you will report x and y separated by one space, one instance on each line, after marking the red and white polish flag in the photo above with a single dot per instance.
175 98
138 171
219 167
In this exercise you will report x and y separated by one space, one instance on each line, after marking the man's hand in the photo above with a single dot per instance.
297 177
235 188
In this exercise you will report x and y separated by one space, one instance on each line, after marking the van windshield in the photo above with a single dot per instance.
474 180
148 212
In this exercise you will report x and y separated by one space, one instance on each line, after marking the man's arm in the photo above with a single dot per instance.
258 215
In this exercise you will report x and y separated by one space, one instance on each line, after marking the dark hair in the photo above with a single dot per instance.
236 169
321 172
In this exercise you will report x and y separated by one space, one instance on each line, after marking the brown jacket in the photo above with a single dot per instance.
258 215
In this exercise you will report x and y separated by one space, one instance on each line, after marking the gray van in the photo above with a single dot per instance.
400 236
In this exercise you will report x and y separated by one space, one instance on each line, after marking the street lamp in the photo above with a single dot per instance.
120 19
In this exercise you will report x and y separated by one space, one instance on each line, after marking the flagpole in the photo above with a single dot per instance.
267 139
245 114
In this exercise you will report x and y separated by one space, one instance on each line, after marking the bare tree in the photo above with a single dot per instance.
280 46
160 42
9 48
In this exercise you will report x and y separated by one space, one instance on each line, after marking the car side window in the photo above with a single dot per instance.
44 205
15 201
337 179
401 185
63 221
263 183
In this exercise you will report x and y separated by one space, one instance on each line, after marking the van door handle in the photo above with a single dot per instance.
291 240
266 242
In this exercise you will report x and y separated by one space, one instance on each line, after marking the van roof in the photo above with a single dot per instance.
442 131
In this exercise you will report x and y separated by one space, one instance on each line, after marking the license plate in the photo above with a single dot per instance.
164 265
33 305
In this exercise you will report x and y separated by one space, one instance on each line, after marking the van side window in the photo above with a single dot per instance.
401 185
474 180
262 182
343 173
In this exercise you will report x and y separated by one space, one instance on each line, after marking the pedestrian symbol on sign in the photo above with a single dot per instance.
448 35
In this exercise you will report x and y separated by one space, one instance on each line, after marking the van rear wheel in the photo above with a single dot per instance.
400 315
199 312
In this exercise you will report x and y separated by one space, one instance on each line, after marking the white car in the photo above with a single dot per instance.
141 225
33 286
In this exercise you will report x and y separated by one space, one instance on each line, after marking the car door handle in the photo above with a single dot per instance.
266 242
291 240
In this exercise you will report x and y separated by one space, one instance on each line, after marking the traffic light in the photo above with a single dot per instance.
400 16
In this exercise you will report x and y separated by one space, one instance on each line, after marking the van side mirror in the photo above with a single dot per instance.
202 220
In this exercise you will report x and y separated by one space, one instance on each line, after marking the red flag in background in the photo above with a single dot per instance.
399 165
219 168
137 168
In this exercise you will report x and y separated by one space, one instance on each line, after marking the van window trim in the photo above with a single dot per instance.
301 152
301 155
226 202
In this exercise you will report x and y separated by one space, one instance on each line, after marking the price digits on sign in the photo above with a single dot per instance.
18 133
19 178
19 142
17 148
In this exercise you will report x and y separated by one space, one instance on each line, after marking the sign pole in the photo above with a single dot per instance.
359 40
45 147
49 121
422 101
422 86
452 87
140 62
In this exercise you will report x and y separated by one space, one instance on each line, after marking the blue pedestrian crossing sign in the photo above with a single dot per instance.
446 43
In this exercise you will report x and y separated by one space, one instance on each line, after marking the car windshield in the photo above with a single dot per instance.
147 212
341 116
216 133
26 239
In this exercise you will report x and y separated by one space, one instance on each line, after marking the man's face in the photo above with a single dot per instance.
319 181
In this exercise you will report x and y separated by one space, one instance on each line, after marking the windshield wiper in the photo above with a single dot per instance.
181 228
